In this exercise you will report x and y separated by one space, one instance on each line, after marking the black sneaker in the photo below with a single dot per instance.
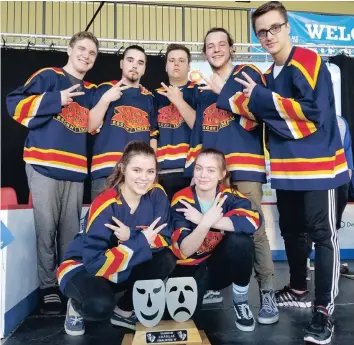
127 322
244 317
345 272
320 329
50 301
286 297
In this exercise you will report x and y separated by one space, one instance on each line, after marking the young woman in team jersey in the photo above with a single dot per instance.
213 225
126 237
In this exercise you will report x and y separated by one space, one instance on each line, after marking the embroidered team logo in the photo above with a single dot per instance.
74 117
131 119
210 242
215 119
169 117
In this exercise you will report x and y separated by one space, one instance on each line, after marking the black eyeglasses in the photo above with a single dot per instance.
262 34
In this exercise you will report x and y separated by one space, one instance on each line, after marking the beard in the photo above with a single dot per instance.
132 77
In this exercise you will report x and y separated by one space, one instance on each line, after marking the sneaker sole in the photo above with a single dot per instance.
311 339
295 304
268 320
245 328
350 276
50 312
214 300
123 324
74 333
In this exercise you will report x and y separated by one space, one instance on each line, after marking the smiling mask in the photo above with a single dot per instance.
181 297
149 301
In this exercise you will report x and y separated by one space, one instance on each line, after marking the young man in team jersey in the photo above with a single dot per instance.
123 111
175 113
307 161
54 105
240 140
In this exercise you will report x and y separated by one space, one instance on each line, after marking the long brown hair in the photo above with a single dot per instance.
134 148
226 180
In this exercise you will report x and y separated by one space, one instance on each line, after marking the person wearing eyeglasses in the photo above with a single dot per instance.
307 161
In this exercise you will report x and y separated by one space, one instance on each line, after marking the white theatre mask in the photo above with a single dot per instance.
149 301
181 297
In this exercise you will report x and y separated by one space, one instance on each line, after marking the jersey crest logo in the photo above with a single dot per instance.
215 119
131 119
74 117
169 117
210 242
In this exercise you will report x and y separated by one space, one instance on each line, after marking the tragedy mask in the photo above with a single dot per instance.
181 297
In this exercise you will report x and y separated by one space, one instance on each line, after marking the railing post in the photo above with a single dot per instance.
44 7
183 26
115 19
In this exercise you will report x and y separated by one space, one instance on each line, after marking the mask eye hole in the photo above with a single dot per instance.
157 290
188 288
141 291
173 289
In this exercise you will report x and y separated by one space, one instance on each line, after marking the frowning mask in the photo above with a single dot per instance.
181 297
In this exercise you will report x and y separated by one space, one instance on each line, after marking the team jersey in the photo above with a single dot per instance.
56 142
306 152
346 140
98 251
238 138
129 118
236 207
174 133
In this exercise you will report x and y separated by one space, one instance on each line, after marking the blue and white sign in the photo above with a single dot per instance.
6 236
309 28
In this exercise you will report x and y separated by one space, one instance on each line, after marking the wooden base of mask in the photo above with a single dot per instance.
167 332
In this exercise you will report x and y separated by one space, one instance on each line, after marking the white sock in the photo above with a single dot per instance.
72 311
240 293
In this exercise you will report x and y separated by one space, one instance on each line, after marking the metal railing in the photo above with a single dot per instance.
123 21
50 24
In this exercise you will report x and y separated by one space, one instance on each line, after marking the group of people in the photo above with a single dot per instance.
177 177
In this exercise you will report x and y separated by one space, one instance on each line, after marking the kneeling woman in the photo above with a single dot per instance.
212 226
126 238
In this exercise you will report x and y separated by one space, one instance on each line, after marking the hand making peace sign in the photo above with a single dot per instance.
249 84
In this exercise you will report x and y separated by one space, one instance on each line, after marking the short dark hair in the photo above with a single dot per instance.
267 7
230 41
135 47
81 36
175 46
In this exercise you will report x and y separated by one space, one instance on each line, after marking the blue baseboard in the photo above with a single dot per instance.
345 254
19 312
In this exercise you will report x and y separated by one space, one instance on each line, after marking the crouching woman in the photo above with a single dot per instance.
213 225
126 238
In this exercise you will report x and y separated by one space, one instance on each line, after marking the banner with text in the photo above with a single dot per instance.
309 28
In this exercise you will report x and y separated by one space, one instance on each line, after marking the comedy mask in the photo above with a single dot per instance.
181 297
149 301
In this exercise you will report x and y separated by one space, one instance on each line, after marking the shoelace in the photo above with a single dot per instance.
75 319
268 303
244 311
212 293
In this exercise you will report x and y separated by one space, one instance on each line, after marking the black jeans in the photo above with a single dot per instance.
93 297
173 183
230 262
313 213
342 200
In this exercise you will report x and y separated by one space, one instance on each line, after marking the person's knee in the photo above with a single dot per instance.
239 244
323 235
98 308
169 263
